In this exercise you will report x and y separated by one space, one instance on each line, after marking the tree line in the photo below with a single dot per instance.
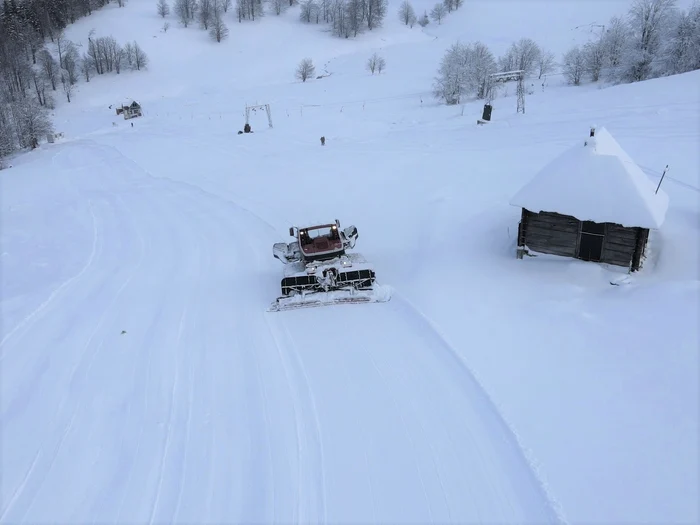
37 62
654 39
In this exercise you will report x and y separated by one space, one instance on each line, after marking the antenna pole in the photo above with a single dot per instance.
662 179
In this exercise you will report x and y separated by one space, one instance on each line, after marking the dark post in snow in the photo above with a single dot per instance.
662 179
521 92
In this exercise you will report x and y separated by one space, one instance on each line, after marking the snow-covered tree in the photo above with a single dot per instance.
140 58
279 6
49 67
424 20
613 43
376 63
205 13
307 11
185 10
464 70
218 30
545 63
648 21
406 13
522 55
438 13
681 51
374 12
163 8
32 123
594 56
574 65
305 69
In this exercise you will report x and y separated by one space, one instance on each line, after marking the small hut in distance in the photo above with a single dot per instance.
591 203
129 110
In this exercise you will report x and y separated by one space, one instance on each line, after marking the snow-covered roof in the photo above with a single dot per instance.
596 181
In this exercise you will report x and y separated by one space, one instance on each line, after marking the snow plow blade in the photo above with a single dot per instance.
379 294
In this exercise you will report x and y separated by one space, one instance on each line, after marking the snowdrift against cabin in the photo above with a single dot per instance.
596 180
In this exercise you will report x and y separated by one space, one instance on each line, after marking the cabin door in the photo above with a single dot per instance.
591 242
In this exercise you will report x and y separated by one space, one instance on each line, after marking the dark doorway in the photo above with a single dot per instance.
591 243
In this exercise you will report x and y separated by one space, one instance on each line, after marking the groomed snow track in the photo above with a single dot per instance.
152 386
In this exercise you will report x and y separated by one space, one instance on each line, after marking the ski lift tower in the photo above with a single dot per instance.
257 108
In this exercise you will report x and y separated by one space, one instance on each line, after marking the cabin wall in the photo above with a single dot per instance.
557 234
550 233
619 244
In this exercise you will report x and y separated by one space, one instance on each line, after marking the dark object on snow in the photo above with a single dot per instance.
246 128
487 112
323 141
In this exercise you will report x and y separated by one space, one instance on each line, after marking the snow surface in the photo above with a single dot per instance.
596 181
142 380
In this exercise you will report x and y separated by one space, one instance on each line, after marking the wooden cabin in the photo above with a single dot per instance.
129 110
591 203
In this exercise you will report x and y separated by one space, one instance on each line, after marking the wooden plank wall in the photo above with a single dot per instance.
619 245
551 233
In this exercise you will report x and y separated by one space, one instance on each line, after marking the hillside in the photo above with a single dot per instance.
143 380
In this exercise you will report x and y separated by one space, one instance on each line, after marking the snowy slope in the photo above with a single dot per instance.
142 379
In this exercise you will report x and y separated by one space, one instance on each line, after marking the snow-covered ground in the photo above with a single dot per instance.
143 380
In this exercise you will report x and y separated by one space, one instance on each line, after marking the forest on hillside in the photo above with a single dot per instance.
38 63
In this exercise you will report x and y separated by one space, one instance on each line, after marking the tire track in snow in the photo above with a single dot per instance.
411 441
303 397
394 397
41 310
169 423
513 441
191 190
98 246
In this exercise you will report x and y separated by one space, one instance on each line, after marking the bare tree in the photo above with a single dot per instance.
614 42
218 30
374 12
185 10
279 6
305 69
140 58
61 42
226 5
376 63
32 122
449 5
163 8
480 65
67 86
206 12
545 63
86 66
594 57
524 55
308 7
48 67
406 13
71 62
574 65
166 26
438 12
